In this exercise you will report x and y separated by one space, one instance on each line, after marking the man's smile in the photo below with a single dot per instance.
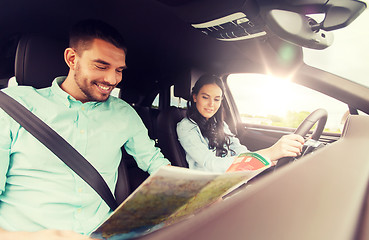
104 88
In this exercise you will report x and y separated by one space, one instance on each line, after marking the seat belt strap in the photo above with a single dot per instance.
59 146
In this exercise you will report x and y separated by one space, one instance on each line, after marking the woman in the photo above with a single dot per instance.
206 138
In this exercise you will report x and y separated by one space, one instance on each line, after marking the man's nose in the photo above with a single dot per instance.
113 78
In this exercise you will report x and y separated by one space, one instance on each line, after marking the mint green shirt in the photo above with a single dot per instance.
37 190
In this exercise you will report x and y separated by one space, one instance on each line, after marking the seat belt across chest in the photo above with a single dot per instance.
59 146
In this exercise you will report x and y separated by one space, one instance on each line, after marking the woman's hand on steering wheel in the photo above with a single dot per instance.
287 146
319 116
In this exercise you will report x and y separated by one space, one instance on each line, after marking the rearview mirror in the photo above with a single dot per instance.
297 29
341 13
290 23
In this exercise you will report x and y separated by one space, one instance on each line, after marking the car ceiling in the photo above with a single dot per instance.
161 41
159 36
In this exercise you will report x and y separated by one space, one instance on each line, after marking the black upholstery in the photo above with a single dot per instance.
148 116
39 59
4 83
135 175
168 138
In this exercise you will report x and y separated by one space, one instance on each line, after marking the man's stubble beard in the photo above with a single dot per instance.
85 86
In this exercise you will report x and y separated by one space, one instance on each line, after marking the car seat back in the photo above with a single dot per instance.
39 59
132 97
167 135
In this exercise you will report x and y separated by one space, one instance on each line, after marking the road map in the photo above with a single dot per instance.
166 197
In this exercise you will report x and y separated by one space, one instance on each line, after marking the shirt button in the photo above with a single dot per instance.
82 131
79 210
82 108
79 190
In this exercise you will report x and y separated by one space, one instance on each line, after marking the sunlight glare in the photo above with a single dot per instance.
274 100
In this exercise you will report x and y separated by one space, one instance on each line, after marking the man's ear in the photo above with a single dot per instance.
70 58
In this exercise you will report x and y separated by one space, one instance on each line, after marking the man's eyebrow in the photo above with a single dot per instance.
101 61
123 67
106 63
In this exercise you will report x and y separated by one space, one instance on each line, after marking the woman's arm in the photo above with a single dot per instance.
287 146
197 150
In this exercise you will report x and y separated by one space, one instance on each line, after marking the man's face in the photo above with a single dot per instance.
98 71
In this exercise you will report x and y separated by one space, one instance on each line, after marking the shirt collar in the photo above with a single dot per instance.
67 99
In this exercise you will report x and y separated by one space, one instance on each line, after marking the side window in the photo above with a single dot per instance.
12 82
115 92
155 103
174 101
177 101
261 99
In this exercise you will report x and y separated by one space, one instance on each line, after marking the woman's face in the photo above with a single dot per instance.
208 100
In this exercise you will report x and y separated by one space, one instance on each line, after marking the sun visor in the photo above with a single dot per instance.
233 27
230 20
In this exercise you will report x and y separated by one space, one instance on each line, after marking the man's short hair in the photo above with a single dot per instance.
84 32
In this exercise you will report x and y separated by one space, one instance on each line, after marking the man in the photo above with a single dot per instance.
37 190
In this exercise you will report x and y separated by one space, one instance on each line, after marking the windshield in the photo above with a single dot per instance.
348 56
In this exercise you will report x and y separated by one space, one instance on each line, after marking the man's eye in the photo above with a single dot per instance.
119 70
100 67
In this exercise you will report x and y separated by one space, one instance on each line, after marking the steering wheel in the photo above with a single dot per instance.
320 115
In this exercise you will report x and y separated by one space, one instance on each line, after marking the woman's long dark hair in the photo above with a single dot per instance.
213 128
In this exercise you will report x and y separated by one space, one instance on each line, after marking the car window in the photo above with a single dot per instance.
266 100
155 103
348 56
177 101
115 92
12 82
174 101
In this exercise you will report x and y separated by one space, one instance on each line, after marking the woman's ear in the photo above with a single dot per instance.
194 97
70 58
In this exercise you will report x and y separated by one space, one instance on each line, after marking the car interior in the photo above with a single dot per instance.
172 43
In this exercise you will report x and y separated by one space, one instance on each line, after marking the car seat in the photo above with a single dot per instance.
132 97
39 59
167 135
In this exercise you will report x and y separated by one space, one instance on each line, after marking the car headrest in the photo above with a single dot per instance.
185 81
39 59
